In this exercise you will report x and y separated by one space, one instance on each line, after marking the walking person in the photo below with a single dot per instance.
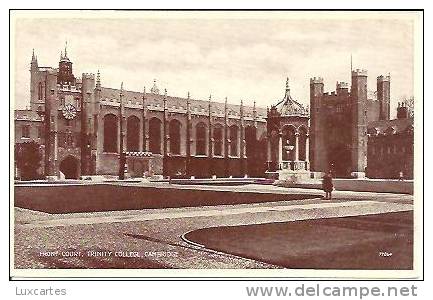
400 176
327 185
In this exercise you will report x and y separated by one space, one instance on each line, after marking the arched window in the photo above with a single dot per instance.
132 133
250 141
218 140
200 137
233 140
274 141
302 143
174 131
155 135
40 94
110 133
288 150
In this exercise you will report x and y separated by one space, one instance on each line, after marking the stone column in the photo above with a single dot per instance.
167 145
269 149
280 150
239 143
210 141
269 154
123 134
146 134
297 146
307 151
243 144
56 169
141 135
119 120
144 125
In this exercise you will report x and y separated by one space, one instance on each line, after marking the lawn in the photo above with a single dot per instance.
381 241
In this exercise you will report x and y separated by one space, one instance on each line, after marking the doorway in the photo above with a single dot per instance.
339 160
69 167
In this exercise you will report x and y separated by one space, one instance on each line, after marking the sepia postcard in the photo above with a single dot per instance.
216 144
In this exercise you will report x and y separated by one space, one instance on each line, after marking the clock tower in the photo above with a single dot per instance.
65 75
68 145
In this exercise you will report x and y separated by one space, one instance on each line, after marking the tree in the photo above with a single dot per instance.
409 102
28 160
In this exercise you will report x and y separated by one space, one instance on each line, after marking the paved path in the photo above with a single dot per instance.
357 206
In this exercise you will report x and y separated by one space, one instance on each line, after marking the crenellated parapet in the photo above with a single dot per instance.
342 85
316 80
384 78
88 76
359 72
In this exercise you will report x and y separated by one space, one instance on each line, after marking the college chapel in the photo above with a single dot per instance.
85 129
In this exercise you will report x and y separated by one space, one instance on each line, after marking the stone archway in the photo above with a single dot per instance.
339 160
69 167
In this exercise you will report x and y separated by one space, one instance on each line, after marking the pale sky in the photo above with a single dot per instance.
246 58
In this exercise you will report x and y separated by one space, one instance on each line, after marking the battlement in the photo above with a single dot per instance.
88 76
384 78
342 85
359 72
315 80
402 111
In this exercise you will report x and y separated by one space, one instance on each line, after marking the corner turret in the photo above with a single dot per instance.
34 61
402 111
318 151
383 96
359 123
342 88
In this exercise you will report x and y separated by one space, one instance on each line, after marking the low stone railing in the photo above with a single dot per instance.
294 165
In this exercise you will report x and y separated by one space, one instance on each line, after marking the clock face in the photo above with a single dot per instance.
69 111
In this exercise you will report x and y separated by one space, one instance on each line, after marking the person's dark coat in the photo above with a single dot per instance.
327 183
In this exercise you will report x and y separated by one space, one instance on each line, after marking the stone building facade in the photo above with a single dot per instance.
84 127
391 146
339 120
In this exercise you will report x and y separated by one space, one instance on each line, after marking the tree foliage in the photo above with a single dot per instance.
28 160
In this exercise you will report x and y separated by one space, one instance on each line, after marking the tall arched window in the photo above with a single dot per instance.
132 133
40 91
155 135
289 143
234 140
110 133
218 140
250 141
174 131
200 138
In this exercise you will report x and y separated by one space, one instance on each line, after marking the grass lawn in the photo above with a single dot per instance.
382 242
